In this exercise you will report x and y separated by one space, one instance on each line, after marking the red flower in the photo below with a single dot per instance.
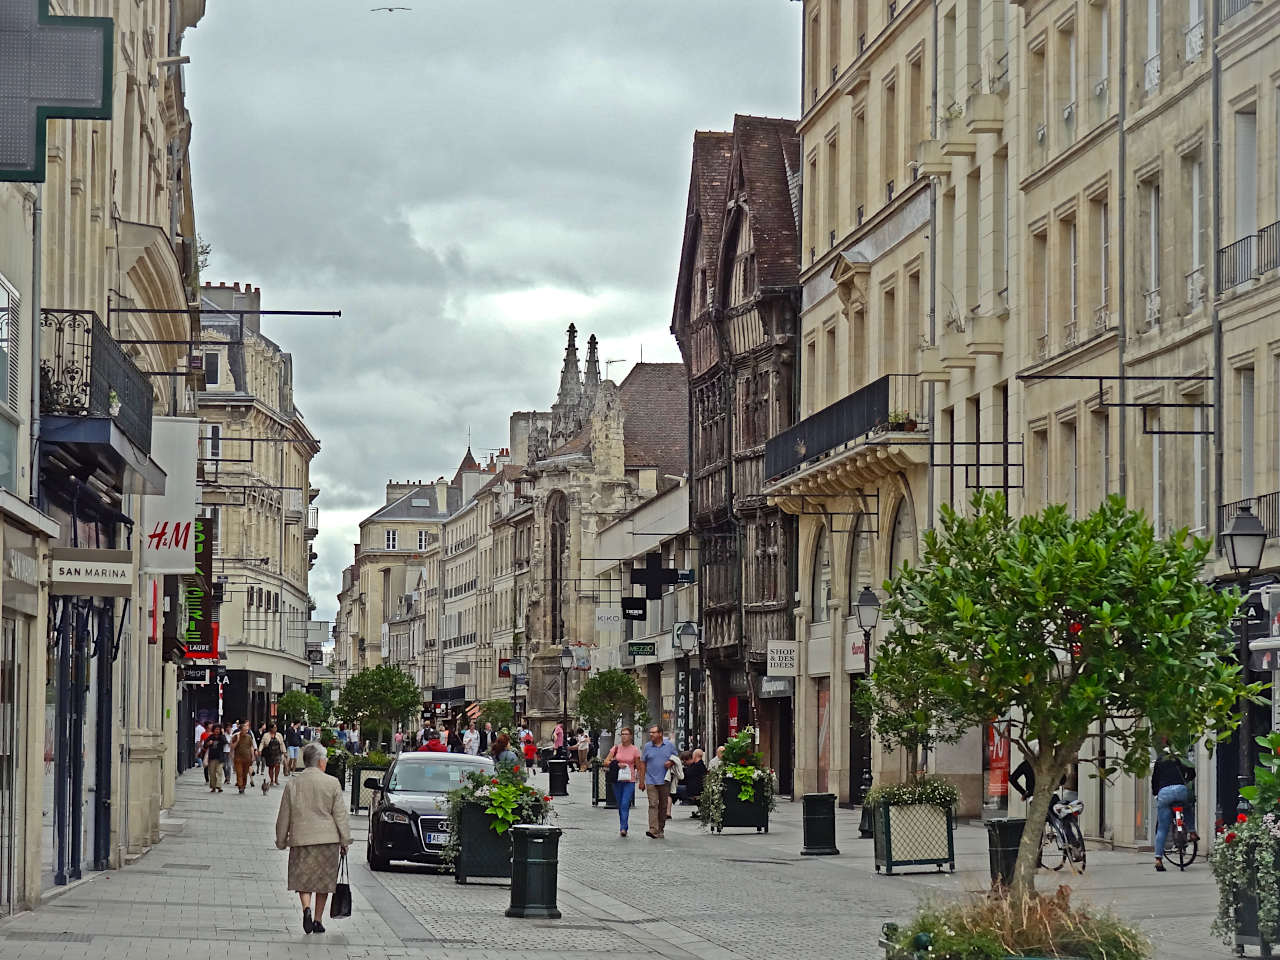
546 799
742 763
1076 649
1076 628
494 780
1241 818
1231 835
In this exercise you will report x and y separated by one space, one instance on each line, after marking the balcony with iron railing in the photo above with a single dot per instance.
1266 508
1071 334
1229 8
1151 73
313 523
1193 39
1151 308
892 404
1249 257
84 373
1195 287
1101 318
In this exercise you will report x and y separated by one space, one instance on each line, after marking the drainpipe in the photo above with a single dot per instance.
933 289
1215 87
1121 286
37 216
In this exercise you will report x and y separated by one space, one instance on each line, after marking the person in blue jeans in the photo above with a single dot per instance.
1171 785
627 755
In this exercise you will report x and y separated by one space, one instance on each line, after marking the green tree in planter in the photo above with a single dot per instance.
608 697
377 699
303 707
1062 625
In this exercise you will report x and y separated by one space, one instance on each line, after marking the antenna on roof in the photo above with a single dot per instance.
606 366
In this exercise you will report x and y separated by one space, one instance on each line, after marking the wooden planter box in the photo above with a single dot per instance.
739 813
914 835
483 852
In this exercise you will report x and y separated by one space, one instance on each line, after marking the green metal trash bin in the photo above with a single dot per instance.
535 863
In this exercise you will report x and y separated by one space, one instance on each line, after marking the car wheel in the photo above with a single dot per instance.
375 862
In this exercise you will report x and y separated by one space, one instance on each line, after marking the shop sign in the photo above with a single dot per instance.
634 608
776 687
195 675
200 634
315 655
504 667
169 543
608 620
91 573
23 573
682 709
782 658
642 648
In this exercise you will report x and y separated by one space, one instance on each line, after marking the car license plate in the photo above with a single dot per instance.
436 839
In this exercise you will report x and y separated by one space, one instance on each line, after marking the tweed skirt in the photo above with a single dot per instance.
313 868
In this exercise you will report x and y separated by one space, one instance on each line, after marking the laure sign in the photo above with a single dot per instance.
90 573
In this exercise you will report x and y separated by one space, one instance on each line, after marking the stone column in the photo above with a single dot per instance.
806 776
838 775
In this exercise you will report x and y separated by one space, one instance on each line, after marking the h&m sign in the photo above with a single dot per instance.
91 573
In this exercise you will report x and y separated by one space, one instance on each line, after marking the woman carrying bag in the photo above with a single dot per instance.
627 757
313 825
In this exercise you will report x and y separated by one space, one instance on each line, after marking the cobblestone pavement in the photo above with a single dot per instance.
215 888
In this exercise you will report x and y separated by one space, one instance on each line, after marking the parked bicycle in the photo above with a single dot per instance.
1062 838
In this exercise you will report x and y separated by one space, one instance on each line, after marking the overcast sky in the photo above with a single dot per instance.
461 180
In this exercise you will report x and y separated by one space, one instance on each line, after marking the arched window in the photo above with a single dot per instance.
558 541
902 548
861 559
821 594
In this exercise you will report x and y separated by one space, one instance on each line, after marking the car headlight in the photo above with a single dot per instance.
394 816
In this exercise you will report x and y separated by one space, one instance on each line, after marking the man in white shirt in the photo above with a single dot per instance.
199 741
471 739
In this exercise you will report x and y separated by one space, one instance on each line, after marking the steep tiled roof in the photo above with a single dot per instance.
655 410
767 150
418 504
507 471
468 465
708 179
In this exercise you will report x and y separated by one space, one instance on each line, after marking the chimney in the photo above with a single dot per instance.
442 496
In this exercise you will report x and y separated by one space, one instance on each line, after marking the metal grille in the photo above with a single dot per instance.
912 834
431 825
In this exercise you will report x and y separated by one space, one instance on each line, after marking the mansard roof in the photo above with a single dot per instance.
766 158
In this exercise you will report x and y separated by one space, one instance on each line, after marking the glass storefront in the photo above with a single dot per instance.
12 822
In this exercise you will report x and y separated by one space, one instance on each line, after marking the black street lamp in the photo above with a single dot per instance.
1244 540
566 664
867 610
516 668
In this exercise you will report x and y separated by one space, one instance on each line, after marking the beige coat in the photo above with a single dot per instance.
312 810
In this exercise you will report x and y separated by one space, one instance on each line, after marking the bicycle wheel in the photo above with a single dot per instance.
1054 850
1181 849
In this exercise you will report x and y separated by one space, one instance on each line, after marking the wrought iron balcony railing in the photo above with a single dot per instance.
84 373
1194 36
1151 310
1195 287
894 401
1151 73
1250 256
1229 8
1266 508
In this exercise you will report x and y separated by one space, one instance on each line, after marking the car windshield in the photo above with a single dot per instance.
437 776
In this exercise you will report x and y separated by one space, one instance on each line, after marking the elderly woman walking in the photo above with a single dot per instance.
312 823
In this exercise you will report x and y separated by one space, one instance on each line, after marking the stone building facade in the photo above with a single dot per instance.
255 468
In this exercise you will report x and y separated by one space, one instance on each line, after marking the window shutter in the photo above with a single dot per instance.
15 343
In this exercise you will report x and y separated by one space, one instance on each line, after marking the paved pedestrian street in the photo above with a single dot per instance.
215 888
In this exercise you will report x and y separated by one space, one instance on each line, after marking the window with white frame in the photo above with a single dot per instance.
1245 380
422 539
393 539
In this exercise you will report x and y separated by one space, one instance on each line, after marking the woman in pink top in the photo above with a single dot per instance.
627 755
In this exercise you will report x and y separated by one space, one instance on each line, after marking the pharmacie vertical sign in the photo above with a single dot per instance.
200 634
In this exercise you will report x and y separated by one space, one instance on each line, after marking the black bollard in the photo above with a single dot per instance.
535 866
558 772
597 785
866 829
819 825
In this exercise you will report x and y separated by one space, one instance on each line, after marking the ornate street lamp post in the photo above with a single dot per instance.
867 610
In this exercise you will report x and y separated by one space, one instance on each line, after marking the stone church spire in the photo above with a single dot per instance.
591 378
565 420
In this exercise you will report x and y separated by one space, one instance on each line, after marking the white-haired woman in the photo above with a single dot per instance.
313 824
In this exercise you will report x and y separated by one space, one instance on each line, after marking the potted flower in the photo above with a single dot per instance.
1246 859
113 402
482 811
740 791
914 823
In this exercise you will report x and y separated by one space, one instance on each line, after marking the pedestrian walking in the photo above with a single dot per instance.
557 741
292 747
258 734
312 824
486 737
199 738
695 774
502 754
271 750
243 752
454 740
530 754
675 774
584 749
471 739
656 759
623 762
212 750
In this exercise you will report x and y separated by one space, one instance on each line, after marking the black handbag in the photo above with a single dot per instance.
340 902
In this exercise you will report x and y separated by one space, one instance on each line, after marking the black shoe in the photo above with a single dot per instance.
307 923
317 927
1159 867
651 836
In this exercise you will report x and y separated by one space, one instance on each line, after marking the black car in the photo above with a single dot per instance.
408 816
